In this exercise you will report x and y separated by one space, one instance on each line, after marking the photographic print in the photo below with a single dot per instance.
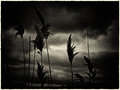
59 44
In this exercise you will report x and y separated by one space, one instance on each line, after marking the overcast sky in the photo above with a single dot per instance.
99 18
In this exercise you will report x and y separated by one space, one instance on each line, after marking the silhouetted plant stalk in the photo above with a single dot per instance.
88 44
71 73
33 66
71 54
39 41
41 57
24 60
20 31
92 70
49 62
46 33
29 60
41 74
80 78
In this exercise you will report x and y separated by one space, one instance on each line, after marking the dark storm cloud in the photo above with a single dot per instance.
63 16
75 17
14 13
113 31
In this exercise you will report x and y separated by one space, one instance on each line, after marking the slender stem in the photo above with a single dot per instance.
49 62
88 45
88 51
41 58
29 60
24 61
71 73
33 65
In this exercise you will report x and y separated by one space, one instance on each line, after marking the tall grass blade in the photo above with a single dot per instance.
49 62
46 33
39 42
89 64
33 66
88 45
24 60
29 60
71 54
41 74
20 31
80 78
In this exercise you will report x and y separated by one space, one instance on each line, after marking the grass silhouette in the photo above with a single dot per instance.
41 74
46 33
71 54
20 31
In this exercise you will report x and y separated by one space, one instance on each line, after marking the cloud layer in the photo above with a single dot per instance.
63 16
